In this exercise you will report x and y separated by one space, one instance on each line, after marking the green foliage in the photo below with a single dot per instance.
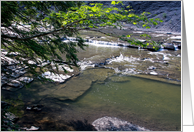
34 29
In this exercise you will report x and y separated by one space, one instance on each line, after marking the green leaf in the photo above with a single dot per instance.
113 2
91 26
144 25
64 22
128 36
130 15
155 23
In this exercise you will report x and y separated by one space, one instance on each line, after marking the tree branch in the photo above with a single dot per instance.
92 29
27 38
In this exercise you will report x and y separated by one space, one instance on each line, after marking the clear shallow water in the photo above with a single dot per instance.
151 104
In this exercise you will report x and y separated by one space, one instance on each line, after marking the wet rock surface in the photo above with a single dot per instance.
73 89
115 124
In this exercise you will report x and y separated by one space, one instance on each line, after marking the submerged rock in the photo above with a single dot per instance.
120 79
77 86
72 89
114 124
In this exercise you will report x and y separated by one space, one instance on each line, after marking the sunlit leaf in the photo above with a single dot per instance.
113 2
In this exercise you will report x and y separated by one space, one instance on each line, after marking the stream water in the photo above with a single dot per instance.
152 104
118 82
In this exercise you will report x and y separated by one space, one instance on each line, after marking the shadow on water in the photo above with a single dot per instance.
72 125
61 125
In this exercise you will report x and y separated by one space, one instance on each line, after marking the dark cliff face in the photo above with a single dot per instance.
150 6
168 11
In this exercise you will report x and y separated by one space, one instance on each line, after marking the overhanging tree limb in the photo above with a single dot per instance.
35 36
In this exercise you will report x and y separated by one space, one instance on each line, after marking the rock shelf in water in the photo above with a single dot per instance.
73 89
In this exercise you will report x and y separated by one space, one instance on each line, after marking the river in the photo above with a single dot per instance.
135 85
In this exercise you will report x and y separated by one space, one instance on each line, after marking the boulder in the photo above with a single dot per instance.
169 46
114 124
